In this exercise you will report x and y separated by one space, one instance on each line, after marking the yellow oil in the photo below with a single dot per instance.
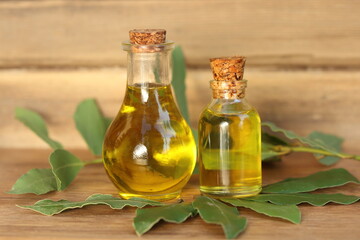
149 150
230 153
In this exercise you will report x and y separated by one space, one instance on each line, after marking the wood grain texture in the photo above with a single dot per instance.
53 33
302 101
100 222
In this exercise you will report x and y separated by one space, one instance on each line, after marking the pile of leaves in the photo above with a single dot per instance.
277 200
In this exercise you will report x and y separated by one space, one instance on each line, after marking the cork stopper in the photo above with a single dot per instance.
147 36
228 80
228 68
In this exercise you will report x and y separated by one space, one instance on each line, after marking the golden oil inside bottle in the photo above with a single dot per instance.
230 152
149 150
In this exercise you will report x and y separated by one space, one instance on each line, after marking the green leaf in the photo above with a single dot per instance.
318 140
327 160
287 212
310 141
107 121
268 154
37 181
196 169
50 207
196 135
91 124
332 142
178 81
268 147
325 179
65 167
175 213
37 124
213 211
273 140
310 198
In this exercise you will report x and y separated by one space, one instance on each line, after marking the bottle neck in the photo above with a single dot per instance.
230 89
229 106
149 65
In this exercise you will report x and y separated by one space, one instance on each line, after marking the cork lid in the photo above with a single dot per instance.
228 80
228 68
147 36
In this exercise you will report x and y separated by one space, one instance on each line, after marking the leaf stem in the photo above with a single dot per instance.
322 152
96 161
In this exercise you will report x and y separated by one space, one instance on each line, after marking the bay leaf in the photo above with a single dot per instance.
65 167
107 122
272 139
37 181
332 142
327 160
50 207
268 147
178 81
310 141
214 211
91 124
288 212
196 169
175 213
196 135
324 179
315 199
268 154
36 124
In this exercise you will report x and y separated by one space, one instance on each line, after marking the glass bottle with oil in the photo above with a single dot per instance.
229 135
149 150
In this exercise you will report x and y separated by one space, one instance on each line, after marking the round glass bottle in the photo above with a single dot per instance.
149 150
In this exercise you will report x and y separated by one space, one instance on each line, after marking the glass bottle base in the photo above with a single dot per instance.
156 197
230 192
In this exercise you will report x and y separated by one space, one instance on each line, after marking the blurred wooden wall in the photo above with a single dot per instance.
303 59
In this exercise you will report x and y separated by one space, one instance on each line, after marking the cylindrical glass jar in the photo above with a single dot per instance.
229 135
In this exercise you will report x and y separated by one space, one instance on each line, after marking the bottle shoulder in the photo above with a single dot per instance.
148 113
235 117
229 107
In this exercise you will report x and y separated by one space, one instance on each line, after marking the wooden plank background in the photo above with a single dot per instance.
88 33
303 59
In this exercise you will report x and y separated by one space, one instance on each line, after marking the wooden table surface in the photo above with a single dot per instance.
101 222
